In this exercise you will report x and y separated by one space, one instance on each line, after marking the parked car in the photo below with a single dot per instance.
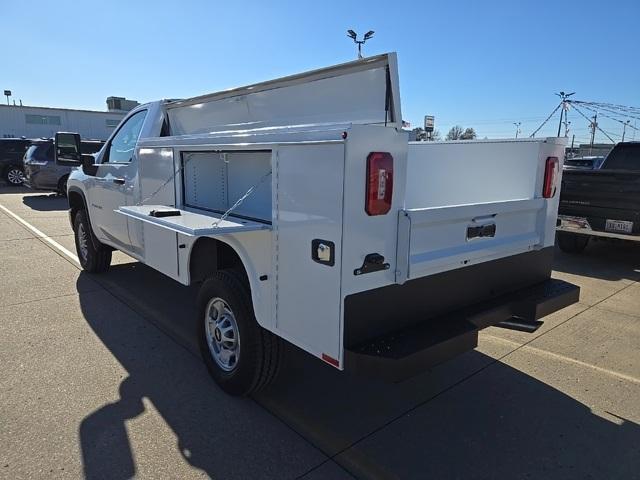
584 163
41 171
603 203
11 153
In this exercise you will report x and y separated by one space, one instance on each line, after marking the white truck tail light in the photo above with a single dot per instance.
379 183
550 177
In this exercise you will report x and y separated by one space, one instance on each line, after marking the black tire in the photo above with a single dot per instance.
14 175
92 259
260 352
62 186
572 243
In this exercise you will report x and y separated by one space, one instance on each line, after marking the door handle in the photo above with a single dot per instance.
118 181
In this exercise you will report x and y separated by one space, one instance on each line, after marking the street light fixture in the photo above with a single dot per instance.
354 36
565 106
517 124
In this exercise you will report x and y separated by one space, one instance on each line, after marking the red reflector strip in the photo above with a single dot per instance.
330 360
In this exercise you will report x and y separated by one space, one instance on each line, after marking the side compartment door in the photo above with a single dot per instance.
115 183
307 234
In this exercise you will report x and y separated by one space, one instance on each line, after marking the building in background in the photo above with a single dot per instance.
36 122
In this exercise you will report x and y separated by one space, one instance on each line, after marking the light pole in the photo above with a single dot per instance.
351 34
565 106
624 129
517 124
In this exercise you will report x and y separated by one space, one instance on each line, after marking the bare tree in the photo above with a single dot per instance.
421 135
468 134
455 133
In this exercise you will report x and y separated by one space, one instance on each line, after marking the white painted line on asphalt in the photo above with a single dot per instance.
66 252
564 358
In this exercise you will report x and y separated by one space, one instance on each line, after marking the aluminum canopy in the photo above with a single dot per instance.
360 92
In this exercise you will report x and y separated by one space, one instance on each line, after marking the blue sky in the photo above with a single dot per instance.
483 64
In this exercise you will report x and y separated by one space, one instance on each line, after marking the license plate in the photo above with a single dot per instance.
620 226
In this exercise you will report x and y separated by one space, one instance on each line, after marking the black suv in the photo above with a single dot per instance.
11 152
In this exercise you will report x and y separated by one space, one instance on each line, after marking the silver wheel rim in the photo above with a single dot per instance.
83 245
15 176
223 337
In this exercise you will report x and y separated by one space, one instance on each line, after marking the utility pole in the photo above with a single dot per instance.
517 124
594 125
624 129
565 106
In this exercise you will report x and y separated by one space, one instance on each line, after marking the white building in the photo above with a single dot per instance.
36 122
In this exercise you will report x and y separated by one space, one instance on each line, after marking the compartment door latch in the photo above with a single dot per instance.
323 252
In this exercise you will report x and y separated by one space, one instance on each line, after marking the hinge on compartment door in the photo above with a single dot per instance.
373 262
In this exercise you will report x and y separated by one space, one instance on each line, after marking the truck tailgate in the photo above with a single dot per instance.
471 202
432 240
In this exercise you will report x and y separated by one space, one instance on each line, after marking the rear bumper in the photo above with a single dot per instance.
581 226
405 353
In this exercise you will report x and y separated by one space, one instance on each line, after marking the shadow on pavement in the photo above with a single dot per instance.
605 260
459 420
47 202
215 433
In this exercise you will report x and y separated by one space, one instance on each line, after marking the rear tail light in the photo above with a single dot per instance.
551 171
379 183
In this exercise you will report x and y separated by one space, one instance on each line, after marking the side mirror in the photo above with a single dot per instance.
67 149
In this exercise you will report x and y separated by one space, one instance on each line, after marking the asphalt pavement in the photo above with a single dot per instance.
101 378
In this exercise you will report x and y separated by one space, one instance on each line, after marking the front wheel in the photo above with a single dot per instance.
241 356
92 259
14 176
572 243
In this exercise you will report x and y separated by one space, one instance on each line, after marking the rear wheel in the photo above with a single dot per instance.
14 175
572 243
241 356
92 259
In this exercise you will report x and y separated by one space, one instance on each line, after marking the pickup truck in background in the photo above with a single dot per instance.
602 203
305 215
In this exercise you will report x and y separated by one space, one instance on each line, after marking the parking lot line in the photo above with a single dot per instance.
67 253
563 358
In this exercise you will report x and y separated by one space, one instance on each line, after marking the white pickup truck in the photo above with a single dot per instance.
308 217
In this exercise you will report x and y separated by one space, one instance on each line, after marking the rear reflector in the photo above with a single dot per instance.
330 360
550 177
379 183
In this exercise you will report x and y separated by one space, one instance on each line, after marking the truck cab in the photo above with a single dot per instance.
307 217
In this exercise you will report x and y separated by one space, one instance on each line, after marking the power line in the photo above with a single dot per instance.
605 115
546 120
613 109
594 123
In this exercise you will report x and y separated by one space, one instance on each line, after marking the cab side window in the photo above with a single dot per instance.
124 142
